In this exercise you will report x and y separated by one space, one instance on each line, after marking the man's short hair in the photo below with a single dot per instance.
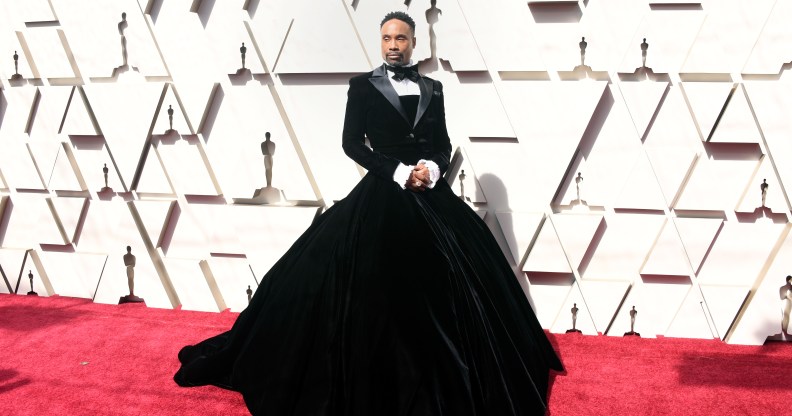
404 17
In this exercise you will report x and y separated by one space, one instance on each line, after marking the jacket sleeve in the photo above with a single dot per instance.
442 143
353 137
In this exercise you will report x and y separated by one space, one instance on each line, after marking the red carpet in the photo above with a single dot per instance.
65 356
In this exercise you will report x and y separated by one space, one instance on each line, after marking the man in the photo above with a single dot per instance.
344 324
375 109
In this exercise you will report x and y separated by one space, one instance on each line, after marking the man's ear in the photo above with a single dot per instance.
413 41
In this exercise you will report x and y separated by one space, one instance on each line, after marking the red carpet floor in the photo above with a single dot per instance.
65 356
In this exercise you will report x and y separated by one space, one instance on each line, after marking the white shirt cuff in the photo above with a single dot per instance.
402 174
434 171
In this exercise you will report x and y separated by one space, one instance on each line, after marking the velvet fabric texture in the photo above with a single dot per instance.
392 302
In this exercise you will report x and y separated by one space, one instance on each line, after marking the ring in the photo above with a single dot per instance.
417 183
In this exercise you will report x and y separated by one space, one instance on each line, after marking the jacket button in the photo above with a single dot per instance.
410 136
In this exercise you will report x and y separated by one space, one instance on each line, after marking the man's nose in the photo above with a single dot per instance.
392 46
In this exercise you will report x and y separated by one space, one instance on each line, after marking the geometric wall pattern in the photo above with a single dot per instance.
608 185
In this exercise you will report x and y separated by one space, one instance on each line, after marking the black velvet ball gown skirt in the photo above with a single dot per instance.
391 303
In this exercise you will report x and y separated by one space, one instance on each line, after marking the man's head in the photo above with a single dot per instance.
789 279
397 37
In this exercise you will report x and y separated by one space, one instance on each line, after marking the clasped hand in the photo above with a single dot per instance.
419 178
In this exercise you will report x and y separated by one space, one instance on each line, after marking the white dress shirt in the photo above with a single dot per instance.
402 172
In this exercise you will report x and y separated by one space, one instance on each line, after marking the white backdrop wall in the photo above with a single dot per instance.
667 215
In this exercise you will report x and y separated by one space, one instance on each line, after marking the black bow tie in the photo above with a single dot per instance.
401 72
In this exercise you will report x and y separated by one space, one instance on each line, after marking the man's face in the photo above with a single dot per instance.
397 42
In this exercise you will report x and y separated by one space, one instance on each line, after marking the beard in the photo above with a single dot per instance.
396 61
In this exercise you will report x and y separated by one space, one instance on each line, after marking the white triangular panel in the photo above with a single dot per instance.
48 51
153 179
69 212
668 256
717 184
186 166
547 255
96 47
153 214
472 188
519 229
190 56
41 282
45 153
671 166
17 166
78 120
314 112
574 188
109 228
641 190
691 319
770 50
195 97
498 42
74 274
270 26
11 260
31 11
602 299
656 305
697 235
668 49
624 246
673 126
18 110
225 31
774 195
191 286
488 107
125 113
706 101
548 296
576 233
550 130
49 112
611 155
64 177
162 119
583 321
232 276
454 43
770 101
732 261
91 155
737 124
724 303
304 52
234 151
727 36
643 101
30 223
763 316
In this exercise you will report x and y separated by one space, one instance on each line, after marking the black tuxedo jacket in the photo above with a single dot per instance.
373 111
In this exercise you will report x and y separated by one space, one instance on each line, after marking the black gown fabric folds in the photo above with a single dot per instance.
391 303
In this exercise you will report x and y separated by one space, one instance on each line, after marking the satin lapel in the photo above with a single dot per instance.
425 86
380 81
